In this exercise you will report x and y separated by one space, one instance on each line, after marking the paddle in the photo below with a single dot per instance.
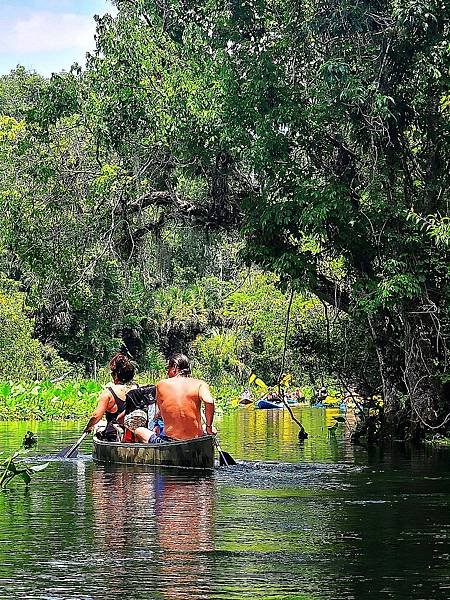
302 434
225 459
72 451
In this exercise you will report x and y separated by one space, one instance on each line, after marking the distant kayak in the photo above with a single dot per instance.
267 404
245 402
295 402
342 406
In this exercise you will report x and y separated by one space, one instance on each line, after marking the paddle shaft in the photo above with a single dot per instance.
220 451
228 461
75 446
302 433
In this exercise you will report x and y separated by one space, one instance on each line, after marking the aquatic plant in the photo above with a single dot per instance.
29 440
12 468
38 400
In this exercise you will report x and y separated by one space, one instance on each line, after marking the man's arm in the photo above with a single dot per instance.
208 403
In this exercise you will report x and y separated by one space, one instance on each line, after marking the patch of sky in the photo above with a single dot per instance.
47 35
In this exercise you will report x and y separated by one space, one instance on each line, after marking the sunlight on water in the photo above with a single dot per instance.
318 520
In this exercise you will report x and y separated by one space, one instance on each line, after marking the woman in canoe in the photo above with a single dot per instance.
111 401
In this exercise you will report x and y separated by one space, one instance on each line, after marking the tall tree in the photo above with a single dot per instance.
326 124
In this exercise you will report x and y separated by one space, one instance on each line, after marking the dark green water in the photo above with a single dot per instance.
330 522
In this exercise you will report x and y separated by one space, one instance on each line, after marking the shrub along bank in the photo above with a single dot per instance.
46 400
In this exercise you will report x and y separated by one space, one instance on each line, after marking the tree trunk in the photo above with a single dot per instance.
410 356
424 358
390 364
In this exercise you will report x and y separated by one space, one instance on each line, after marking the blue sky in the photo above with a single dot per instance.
47 35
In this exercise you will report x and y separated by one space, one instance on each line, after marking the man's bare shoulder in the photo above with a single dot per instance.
197 381
186 382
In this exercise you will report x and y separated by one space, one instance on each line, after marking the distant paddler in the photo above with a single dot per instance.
246 397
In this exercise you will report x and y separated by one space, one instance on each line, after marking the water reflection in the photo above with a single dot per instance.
185 531
159 521
272 435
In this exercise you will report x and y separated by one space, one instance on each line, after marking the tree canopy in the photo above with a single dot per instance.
308 138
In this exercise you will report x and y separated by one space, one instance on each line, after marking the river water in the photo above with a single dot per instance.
322 520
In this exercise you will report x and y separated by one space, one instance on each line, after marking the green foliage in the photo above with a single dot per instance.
29 440
336 121
22 356
320 131
36 400
12 468
218 352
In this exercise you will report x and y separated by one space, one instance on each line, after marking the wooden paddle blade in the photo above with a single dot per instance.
302 435
225 459
63 453
66 453
73 453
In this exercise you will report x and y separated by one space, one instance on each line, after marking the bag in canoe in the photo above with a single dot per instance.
140 405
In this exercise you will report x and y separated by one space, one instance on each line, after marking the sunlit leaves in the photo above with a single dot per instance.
436 226
10 128
32 400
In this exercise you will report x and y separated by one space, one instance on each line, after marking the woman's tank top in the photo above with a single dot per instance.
110 432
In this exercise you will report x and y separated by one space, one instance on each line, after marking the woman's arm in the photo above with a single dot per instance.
102 405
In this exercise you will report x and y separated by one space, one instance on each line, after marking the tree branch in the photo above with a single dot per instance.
179 209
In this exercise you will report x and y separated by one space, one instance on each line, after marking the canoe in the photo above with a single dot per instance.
197 453
267 404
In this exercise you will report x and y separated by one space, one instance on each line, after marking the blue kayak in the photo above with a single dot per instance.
263 403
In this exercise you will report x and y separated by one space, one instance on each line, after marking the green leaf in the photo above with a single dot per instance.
25 477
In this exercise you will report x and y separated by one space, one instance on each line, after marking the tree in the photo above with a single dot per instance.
21 355
317 130
332 119
73 231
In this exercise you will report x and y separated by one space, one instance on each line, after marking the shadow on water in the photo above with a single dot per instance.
320 520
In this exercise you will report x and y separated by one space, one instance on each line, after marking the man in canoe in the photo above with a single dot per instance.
179 399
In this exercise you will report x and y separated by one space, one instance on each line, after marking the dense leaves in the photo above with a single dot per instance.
308 137
35 400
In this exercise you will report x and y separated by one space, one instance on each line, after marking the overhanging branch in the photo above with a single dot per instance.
181 210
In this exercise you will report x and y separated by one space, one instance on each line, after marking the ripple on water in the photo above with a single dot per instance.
261 530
